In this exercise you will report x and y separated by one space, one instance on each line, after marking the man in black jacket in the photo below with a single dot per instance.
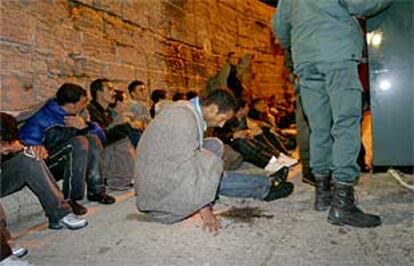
102 92
119 150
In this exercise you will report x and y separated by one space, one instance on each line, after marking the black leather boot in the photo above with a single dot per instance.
344 212
323 194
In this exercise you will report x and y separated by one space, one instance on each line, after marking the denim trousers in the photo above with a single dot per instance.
242 185
331 97
22 170
236 184
78 161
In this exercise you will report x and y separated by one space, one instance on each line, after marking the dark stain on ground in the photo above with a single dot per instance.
245 214
342 231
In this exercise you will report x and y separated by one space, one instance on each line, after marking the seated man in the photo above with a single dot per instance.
259 116
119 151
138 103
103 92
252 143
19 168
120 109
179 173
60 135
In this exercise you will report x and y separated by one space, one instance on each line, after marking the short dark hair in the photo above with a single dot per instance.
97 85
178 96
8 128
133 85
158 95
223 98
69 93
191 94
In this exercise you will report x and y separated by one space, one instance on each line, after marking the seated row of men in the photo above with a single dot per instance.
62 140
58 142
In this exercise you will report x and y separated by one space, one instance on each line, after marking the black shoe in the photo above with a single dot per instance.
283 190
323 194
344 212
102 198
77 208
279 176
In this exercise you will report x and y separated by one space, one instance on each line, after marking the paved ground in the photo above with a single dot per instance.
286 232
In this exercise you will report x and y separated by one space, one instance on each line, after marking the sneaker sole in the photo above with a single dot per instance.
61 226
74 228
334 222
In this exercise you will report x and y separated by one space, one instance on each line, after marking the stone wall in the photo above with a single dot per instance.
170 44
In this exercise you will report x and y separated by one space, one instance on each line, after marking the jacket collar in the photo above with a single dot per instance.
195 102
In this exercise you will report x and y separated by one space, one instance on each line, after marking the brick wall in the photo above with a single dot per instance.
174 45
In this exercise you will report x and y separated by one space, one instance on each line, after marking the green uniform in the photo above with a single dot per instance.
326 43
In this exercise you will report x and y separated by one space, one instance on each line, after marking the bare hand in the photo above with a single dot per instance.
75 121
127 117
85 115
138 124
255 131
39 152
210 223
241 134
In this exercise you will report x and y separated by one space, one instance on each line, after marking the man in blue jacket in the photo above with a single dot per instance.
59 134
326 43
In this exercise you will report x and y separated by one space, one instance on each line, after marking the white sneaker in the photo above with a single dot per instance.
273 165
13 261
73 222
286 160
18 250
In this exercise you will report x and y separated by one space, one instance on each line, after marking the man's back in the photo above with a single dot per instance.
174 176
323 30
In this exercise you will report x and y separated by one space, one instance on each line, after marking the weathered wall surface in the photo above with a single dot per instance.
174 45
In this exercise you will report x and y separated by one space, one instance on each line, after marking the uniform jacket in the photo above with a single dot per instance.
323 30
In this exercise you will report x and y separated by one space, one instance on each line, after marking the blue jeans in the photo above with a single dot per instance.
239 185
78 161
236 184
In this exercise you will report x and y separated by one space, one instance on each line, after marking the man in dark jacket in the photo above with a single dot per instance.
102 92
58 134
121 136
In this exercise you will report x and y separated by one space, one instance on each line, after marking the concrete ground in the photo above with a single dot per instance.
284 232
